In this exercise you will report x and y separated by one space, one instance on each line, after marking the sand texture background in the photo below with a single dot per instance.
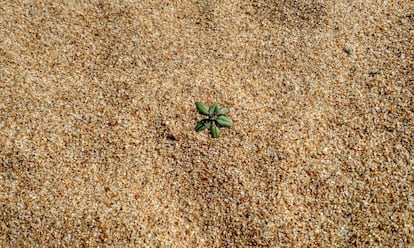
97 117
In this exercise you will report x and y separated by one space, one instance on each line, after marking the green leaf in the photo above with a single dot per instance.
222 111
215 131
202 109
213 110
203 124
224 121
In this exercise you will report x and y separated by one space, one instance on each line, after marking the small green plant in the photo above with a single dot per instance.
216 119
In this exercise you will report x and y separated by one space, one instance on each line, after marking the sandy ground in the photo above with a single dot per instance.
97 117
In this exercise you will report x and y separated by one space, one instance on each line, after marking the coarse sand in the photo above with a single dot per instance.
97 117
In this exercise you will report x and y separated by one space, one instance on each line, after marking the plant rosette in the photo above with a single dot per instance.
216 119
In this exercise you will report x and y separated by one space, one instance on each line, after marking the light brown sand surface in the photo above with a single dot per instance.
97 117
